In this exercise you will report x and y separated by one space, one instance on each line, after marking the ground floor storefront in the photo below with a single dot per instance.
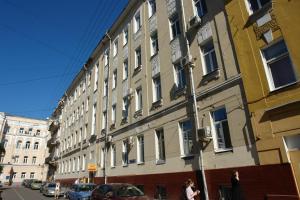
257 182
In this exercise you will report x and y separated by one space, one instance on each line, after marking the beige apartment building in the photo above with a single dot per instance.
159 100
25 141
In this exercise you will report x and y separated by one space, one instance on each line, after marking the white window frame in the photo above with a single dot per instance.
25 159
138 99
137 26
154 43
83 162
125 35
104 119
106 57
23 175
125 107
140 149
94 116
157 93
36 146
115 47
214 131
125 152
202 9
151 11
114 79
113 113
85 131
125 69
181 138
32 175
78 163
178 75
160 158
113 154
138 57
102 158
248 6
96 76
209 53
174 21
268 70
74 165
105 88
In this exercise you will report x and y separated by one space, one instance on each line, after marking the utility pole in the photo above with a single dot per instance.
190 65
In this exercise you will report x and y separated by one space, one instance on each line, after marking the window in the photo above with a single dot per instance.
106 57
125 69
31 174
220 130
104 119
83 85
80 134
113 160
114 79
151 7
5 143
125 153
160 146
25 160
175 28
71 140
27 145
254 5
38 132
21 131
125 108
209 57
33 160
82 109
85 131
23 175
138 99
138 58
105 88
16 159
30 131
36 145
102 158
156 89
78 163
180 76
89 78
278 65
125 36
75 138
70 165
154 44
77 113
1 159
201 8
113 114
115 47
87 104
94 119
83 162
137 22
74 165
140 149
186 140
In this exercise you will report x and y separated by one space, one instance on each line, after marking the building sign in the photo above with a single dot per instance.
92 167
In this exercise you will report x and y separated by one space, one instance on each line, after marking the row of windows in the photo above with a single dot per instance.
16 159
23 175
220 132
19 144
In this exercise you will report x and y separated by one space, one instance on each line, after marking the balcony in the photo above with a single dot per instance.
153 23
155 65
172 7
175 49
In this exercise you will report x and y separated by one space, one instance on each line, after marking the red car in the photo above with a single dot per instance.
118 191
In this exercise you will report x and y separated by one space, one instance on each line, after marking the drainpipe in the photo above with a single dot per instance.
107 97
190 66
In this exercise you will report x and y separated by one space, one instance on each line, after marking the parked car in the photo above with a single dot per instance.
28 183
49 190
80 191
118 191
36 185
42 187
25 182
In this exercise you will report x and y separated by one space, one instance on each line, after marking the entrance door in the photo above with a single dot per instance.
295 160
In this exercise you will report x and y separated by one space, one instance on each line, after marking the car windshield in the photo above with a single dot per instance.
128 191
83 188
38 182
52 185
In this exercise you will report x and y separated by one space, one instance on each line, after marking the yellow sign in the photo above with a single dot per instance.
92 167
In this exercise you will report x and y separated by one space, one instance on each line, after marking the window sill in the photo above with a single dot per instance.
154 55
138 113
113 126
258 13
187 157
173 39
160 162
213 75
284 87
217 151
137 69
179 91
124 121
157 104
125 79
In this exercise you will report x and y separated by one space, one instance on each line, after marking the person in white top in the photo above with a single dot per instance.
57 190
190 194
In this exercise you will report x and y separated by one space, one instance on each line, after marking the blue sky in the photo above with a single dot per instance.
43 44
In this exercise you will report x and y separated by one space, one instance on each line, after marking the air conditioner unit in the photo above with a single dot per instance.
194 21
186 60
205 132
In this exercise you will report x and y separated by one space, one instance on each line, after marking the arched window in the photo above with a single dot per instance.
27 145
5 143
36 145
19 144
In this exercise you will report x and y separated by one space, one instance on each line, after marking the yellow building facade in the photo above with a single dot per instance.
266 38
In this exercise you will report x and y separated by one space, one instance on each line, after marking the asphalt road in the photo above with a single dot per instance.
21 193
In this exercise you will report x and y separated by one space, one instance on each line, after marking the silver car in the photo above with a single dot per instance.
49 190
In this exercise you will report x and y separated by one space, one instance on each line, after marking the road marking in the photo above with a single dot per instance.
18 194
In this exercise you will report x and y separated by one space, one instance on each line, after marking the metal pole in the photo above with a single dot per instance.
192 87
